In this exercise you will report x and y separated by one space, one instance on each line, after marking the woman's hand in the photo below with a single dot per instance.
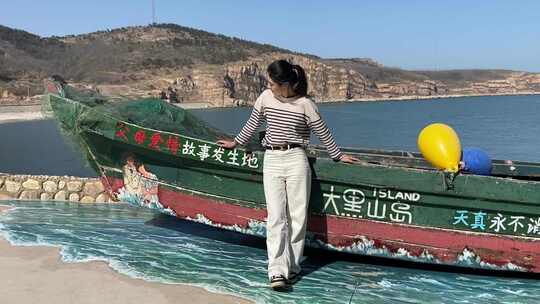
227 144
345 158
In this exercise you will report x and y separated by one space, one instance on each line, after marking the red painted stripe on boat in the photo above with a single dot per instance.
186 205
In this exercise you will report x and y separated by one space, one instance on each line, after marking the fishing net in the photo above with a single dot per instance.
149 113
90 108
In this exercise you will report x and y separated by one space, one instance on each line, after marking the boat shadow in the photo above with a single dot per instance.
319 258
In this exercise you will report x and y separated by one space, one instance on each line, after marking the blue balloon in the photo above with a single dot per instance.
476 161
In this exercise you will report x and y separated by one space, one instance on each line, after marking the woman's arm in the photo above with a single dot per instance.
253 123
319 127
321 130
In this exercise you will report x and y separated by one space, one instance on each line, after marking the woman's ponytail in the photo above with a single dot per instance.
301 85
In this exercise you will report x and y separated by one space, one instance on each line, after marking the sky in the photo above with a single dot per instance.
412 34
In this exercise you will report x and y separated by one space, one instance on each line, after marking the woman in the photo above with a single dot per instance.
290 117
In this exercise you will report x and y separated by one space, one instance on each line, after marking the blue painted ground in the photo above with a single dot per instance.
157 247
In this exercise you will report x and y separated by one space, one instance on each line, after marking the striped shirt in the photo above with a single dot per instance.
288 122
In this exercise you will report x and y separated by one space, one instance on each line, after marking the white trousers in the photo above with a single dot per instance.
287 186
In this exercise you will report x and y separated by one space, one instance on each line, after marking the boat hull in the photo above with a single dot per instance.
387 209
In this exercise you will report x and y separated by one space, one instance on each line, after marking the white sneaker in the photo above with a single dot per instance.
279 282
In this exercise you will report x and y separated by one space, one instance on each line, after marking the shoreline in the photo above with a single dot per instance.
422 97
30 273
18 113
12 113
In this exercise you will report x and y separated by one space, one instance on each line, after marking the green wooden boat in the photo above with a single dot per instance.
153 154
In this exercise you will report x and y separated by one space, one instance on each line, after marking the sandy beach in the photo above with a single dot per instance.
20 113
30 274
24 113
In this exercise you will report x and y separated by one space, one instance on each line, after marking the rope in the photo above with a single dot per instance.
354 291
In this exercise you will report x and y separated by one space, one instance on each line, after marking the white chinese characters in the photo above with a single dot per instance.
206 152
354 203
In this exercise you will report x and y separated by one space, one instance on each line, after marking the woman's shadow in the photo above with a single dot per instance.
314 258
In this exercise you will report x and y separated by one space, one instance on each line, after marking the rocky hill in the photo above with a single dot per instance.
219 70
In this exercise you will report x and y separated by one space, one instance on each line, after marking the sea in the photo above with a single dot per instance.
156 247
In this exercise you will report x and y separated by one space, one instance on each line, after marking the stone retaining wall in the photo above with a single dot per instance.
57 188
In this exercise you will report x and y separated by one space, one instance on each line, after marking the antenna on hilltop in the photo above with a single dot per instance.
153 12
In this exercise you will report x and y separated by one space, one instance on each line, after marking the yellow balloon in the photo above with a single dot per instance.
440 145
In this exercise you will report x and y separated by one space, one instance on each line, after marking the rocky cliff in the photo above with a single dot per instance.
240 83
